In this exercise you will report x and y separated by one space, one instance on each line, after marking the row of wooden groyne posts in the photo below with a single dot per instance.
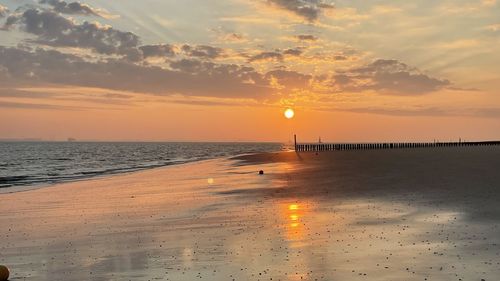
391 145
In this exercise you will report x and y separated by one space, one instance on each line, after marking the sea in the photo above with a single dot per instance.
41 163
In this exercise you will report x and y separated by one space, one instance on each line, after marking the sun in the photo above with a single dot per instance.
289 113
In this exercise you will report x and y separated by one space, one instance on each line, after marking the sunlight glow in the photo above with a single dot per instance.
289 113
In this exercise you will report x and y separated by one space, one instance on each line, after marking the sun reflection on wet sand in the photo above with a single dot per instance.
293 217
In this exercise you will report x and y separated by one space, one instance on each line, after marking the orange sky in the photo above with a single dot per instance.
154 123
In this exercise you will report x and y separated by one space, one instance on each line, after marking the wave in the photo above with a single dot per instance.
26 164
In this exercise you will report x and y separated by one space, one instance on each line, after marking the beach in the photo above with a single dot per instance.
402 214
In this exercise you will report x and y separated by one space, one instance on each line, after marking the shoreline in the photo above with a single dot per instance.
24 166
25 188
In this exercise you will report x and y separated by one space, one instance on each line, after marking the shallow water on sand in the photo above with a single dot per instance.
306 218
36 163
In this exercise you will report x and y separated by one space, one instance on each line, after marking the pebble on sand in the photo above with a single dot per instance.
261 172
4 273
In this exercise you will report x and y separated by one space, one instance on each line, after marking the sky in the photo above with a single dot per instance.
225 70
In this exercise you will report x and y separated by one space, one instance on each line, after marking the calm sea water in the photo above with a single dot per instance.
33 163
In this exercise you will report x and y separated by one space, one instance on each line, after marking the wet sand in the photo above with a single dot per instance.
416 214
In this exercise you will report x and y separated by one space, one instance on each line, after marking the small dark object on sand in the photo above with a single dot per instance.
4 273
261 172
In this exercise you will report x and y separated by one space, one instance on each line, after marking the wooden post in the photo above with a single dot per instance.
295 141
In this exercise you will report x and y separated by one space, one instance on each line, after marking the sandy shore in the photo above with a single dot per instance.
421 214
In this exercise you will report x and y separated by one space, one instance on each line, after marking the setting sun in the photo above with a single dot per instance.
289 113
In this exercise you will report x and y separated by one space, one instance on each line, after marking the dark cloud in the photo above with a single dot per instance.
244 74
3 11
188 77
267 56
6 104
277 55
159 50
387 76
292 52
308 9
189 65
430 111
200 102
234 37
198 77
426 111
15 93
73 8
202 51
306 37
54 30
9 22
290 79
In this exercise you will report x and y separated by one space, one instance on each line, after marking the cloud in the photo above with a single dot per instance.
197 77
17 93
202 51
290 79
250 20
430 111
159 50
190 101
307 9
339 57
19 105
450 8
306 37
191 51
387 76
3 11
267 56
459 44
227 36
292 52
488 3
187 69
493 27
54 30
74 8
233 38
188 77
484 112
277 55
